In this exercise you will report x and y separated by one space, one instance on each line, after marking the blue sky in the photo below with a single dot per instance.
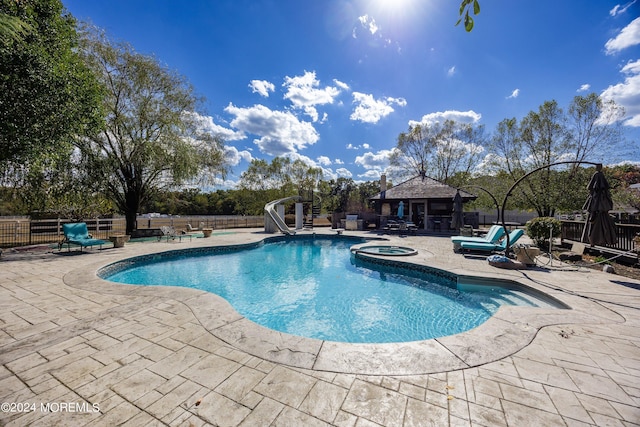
334 82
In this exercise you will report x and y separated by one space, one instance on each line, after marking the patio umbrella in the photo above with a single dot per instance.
456 217
401 210
602 230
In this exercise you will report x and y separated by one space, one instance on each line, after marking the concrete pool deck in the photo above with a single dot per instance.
76 350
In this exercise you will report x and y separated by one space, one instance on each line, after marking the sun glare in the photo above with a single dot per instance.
395 10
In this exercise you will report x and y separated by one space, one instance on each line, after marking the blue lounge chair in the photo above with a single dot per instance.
76 233
494 234
493 247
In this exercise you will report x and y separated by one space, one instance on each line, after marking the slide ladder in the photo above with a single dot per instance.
270 210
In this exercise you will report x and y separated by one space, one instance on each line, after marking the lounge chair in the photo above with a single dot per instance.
170 233
493 247
77 233
494 234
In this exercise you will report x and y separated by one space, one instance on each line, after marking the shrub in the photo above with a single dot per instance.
538 229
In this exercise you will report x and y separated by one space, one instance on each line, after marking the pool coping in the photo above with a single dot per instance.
506 332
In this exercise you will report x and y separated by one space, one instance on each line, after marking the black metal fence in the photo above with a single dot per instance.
573 231
513 216
213 221
22 231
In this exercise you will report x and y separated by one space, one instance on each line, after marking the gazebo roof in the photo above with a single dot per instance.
422 187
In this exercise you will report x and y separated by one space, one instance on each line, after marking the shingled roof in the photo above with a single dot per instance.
420 187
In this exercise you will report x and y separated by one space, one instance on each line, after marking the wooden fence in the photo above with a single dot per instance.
573 230
22 231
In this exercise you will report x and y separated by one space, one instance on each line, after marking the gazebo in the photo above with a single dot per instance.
427 202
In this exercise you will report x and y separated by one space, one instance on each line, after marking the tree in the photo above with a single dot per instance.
263 182
594 126
281 174
152 139
440 150
12 29
47 94
547 136
621 178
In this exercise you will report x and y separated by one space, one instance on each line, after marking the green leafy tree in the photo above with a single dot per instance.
12 29
47 94
263 182
620 178
439 150
153 138
47 97
339 194
548 136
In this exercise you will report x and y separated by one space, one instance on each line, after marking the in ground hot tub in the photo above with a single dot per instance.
385 250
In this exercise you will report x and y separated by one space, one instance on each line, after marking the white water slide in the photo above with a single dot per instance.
270 211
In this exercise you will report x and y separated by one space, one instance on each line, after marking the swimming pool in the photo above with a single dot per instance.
314 287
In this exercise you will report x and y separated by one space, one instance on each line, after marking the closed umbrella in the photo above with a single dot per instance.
456 217
401 210
602 229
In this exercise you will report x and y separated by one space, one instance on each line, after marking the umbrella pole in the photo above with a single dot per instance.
584 229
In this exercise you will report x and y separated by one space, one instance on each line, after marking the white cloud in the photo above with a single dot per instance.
262 87
324 161
304 93
372 33
627 93
216 183
585 87
451 71
369 23
618 10
629 36
440 117
370 175
357 147
235 156
320 162
341 85
487 165
374 161
514 94
338 162
343 173
280 132
207 125
371 110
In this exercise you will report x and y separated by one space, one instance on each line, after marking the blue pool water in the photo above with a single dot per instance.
316 288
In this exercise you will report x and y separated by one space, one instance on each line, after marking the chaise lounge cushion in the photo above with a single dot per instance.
78 234
493 247
495 233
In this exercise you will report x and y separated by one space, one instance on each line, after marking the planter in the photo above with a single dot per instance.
119 240
526 255
207 232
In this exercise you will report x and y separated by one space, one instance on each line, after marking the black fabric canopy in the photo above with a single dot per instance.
456 217
602 230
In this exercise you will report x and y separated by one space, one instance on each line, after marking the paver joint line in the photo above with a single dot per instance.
130 350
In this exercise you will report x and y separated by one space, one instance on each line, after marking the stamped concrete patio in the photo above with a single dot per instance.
77 350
